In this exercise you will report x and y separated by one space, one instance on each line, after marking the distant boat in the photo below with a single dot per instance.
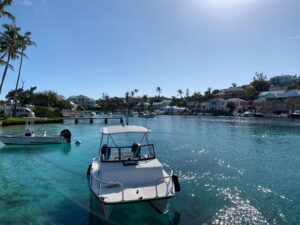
283 115
147 115
159 112
29 137
257 114
295 115
248 114
93 114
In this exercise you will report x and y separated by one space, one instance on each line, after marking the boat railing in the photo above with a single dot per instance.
171 172
101 182
117 183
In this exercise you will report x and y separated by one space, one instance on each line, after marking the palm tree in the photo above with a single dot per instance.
180 92
3 5
234 85
24 42
9 46
187 93
132 94
126 97
145 98
158 90
136 91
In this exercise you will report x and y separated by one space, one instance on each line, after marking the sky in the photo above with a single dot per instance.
92 47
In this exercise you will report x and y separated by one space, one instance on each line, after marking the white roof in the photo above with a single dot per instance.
124 129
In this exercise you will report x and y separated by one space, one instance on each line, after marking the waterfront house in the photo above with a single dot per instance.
216 104
240 104
270 94
286 102
194 105
232 92
173 110
260 104
82 100
284 80
160 105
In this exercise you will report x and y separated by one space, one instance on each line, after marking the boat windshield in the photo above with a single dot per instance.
136 152
114 145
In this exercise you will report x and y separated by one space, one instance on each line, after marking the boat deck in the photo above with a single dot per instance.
132 183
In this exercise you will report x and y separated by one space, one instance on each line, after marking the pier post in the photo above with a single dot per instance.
105 120
126 116
91 120
76 120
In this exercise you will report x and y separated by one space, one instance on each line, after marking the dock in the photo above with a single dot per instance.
92 119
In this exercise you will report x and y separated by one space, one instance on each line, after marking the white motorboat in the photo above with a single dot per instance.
130 174
147 115
295 115
248 114
29 137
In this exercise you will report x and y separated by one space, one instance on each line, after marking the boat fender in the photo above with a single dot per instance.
66 134
176 182
88 172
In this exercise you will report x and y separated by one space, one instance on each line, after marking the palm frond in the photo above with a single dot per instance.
8 15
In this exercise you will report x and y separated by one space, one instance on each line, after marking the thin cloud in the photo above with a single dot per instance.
27 3
288 38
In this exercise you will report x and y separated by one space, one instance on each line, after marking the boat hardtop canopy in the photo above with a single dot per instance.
120 129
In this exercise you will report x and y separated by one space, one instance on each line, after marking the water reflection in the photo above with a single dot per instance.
65 149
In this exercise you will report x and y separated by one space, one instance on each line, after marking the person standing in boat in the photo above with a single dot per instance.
105 152
136 150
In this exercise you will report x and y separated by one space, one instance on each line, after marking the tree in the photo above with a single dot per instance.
145 98
187 93
215 91
208 93
234 85
23 96
294 86
260 82
197 96
180 92
126 97
250 92
3 5
158 90
24 41
9 46
132 94
136 91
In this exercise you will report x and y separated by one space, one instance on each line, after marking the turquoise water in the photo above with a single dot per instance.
234 171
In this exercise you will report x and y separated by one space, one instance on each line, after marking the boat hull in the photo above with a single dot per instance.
23 140
147 116
161 205
157 195
295 115
258 115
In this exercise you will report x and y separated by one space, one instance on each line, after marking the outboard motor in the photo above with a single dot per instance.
88 172
66 134
176 183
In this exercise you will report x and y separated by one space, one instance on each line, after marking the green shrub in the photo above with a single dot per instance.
46 112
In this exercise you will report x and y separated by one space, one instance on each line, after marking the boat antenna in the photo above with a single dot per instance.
126 115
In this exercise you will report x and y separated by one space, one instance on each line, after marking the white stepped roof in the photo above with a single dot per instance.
124 129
